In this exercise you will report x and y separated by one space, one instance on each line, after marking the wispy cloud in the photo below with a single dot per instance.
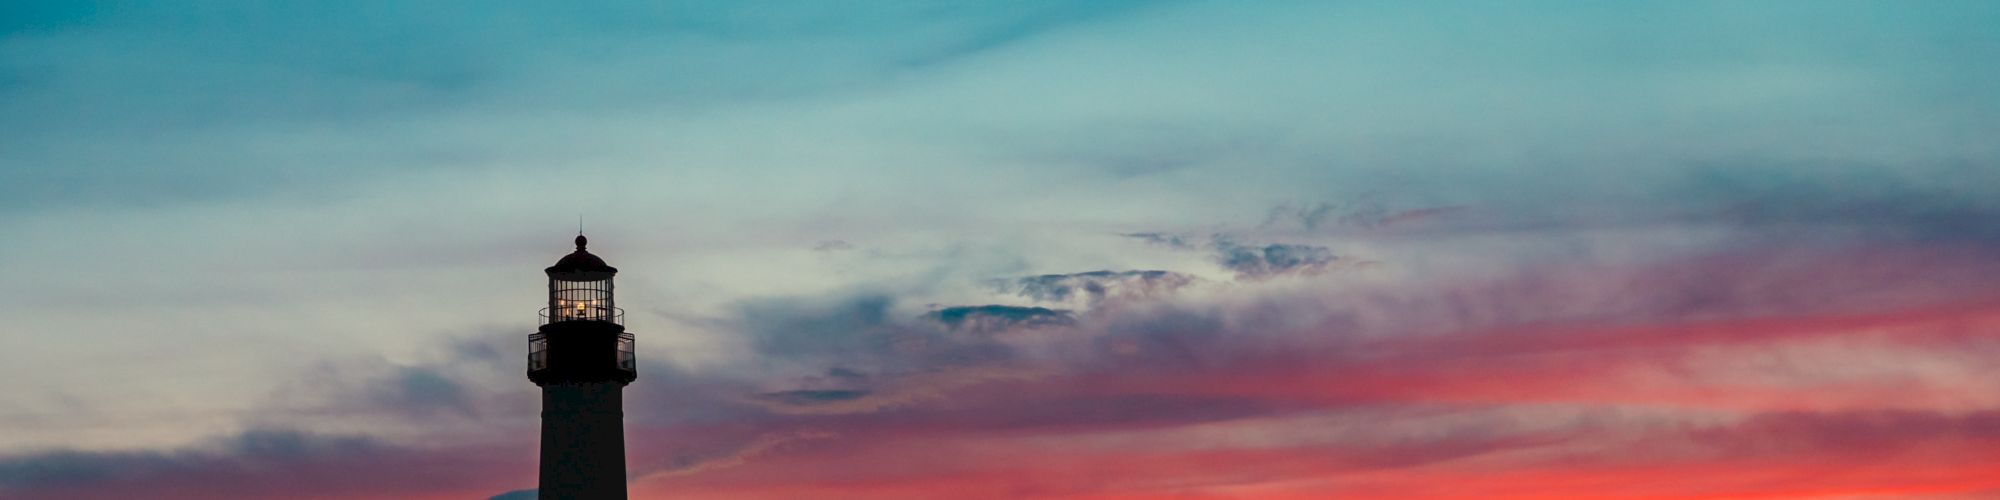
1090 288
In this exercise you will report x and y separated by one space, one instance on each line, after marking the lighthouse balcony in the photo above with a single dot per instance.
583 361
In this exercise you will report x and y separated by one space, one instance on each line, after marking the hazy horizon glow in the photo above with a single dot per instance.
902 249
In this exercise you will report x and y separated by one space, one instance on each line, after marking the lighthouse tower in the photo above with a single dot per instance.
582 358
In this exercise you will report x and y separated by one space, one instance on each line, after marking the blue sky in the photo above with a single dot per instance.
328 218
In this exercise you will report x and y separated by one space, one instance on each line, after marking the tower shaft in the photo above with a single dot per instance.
583 441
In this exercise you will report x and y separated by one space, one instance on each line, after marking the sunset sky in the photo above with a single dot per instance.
1018 249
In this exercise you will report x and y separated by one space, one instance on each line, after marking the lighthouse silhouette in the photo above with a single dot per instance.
582 358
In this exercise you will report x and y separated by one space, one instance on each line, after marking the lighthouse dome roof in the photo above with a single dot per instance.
581 262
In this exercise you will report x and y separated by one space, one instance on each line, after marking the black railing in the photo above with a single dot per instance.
628 358
612 314
538 352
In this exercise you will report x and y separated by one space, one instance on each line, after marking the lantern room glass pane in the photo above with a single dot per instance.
580 301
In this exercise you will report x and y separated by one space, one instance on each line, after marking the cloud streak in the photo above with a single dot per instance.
1093 287
254 463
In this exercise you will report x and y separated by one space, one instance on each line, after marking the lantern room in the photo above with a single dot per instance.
580 289
582 337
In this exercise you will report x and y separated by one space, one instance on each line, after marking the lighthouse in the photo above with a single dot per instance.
582 358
